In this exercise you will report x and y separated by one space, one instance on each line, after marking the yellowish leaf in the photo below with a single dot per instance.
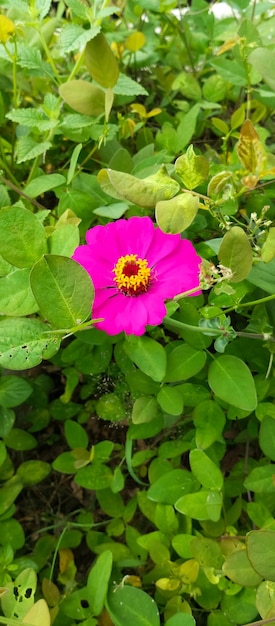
228 45
38 615
135 41
65 558
7 28
250 149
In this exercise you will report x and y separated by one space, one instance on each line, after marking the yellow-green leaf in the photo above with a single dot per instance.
175 215
135 41
83 97
250 149
192 169
100 61
145 192
268 249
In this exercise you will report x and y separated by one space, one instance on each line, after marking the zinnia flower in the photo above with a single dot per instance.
135 267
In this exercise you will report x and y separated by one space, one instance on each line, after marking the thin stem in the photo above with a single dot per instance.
21 193
168 321
249 304
262 622
77 65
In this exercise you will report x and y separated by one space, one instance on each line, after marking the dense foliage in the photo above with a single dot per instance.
137 470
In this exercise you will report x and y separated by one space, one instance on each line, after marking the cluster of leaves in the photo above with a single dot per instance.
167 440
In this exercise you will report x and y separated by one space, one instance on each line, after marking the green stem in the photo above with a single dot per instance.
77 65
21 193
262 622
249 304
190 292
48 55
168 321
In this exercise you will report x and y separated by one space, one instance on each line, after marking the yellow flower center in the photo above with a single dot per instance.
132 275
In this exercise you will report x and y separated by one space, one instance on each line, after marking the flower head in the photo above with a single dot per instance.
135 267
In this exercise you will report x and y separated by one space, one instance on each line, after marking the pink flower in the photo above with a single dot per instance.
135 267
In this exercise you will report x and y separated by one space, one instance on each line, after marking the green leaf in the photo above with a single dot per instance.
27 149
238 568
263 275
100 61
145 409
260 545
260 479
129 605
268 249
83 97
24 343
263 60
32 472
9 493
16 605
110 407
175 215
63 291
64 240
39 185
75 434
148 355
181 619
168 488
192 169
267 436
206 472
170 400
236 253
183 362
98 581
22 237
209 420
231 380
74 37
16 297
145 192
126 86
19 439
95 476
14 390
202 505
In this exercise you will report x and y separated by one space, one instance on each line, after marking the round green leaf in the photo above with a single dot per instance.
14 391
209 420
32 472
95 476
22 237
11 532
192 168
183 362
231 380
129 605
19 439
144 192
202 505
148 355
238 568
168 488
63 291
16 297
260 545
